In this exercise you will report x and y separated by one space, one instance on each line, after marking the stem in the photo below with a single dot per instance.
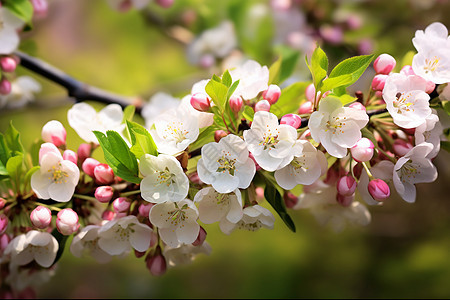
130 193
48 206
84 197
223 118
364 163
387 155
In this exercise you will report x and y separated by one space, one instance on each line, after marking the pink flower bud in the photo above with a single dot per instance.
384 64
5 87
292 120
354 22
144 209
165 3
357 105
259 193
345 200
306 108
357 170
262 105
310 92
219 134
41 217
139 254
156 264
332 176
401 147
363 150
7 64
200 102
4 242
379 190
194 178
207 61
125 5
346 186
40 8
430 87
290 200
332 34
104 193
365 46
200 238
89 165
121 204
70 156
103 174
54 132
67 221
3 223
378 82
2 203
83 152
236 103
407 70
108 215
272 94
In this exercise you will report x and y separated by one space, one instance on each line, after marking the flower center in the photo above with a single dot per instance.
226 164
270 140
123 234
178 215
336 124
299 162
408 171
431 64
222 199
165 177
250 226
402 104
56 175
175 131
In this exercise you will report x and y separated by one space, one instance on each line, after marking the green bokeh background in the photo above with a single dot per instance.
403 253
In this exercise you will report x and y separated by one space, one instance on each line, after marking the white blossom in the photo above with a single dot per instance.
84 119
382 170
22 91
226 164
323 205
413 168
87 242
215 207
177 222
158 104
271 144
253 218
34 245
9 38
253 79
430 132
185 254
337 128
306 167
119 236
56 178
164 179
21 278
406 99
435 34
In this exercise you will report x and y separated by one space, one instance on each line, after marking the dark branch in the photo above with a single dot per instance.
78 90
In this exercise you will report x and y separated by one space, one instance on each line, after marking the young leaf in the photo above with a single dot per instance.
218 93
276 201
128 113
318 67
23 9
348 71
248 113
290 99
206 136
4 151
12 139
226 79
62 239
274 71
289 61
141 140
232 88
445 145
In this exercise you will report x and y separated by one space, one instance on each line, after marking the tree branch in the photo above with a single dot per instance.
76 89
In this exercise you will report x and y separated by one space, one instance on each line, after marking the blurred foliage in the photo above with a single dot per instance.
403 253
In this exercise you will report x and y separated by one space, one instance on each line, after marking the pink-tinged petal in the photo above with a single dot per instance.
48 148
347 136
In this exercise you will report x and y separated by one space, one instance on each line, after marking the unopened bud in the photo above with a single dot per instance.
207 61
236 103
4 242
5 87
70 156
3 223
156 263
165 3
108 215
332 176
401 147
2 203
272 94
41 217
200 102
305 108
407 70
332 34
40 8
379 190
346 186
103 174
89 165
292 120
384 64
144 209
262 105
104 193
219 134
194 178
54 132
363 150
7 64
139 254
83 152
200 238
345 200
378 82
430 87
121 204
310 92
67 221
357 105
290 200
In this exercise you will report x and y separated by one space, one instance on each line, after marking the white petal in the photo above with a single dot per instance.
188 232
140 238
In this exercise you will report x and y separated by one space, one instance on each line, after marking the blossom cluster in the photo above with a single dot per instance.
234 151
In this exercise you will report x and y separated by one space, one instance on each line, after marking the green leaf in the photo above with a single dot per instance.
226 79
14 167
368 134
118 156
276 201
288 63
206 136
4 151
34 151
62 239
290 99
216 78
407 59
218 93
12 139
23 9
141 140
446 106
128 113
445 145
274 71
318 67
29 173
346 99
248 113
232 88
347 72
